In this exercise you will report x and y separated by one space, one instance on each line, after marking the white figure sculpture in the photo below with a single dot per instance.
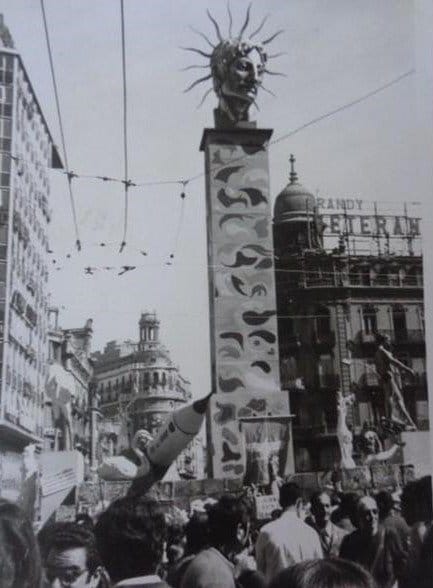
344 434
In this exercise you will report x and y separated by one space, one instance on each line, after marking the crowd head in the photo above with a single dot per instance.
71 556
290 495
324 573
229 523
131 535
20 565
367 515
321 508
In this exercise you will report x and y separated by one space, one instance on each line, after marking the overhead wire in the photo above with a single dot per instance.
126 181
70 175
217 167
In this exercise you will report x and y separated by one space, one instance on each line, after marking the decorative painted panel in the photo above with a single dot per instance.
244 340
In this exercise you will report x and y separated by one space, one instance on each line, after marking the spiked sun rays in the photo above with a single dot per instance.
238 39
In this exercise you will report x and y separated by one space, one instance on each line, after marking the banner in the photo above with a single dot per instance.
266 449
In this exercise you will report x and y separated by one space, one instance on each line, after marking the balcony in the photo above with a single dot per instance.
405 336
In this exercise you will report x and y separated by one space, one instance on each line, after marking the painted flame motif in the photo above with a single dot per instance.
230 384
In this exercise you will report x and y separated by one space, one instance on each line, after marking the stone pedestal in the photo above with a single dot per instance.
243 322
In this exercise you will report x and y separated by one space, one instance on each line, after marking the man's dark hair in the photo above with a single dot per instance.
197 532
20 563
67 535
290 493
385 503
130 536
225 517
321 573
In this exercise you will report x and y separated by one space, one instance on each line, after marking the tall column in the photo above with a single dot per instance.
243 322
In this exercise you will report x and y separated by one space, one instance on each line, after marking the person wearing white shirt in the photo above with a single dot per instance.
287 540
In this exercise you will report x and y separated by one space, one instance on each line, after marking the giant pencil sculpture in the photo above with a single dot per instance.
147 464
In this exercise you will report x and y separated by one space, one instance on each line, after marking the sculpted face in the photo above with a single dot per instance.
237 70
244 76
370 442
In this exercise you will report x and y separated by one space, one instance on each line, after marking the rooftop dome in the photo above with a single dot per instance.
294 200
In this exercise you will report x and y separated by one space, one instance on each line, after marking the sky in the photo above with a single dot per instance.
335 52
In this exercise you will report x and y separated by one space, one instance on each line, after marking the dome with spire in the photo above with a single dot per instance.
294 200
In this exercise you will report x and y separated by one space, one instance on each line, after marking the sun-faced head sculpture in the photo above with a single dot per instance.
237 66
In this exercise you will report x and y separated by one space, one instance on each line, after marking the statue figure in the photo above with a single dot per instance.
388 369
344 434
237 67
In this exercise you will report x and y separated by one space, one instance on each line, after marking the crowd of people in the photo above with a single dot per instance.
327 540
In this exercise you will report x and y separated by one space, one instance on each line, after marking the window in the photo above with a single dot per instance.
399 322
365 276
369 319
382 275
323 321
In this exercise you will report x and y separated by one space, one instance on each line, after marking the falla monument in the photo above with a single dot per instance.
249 421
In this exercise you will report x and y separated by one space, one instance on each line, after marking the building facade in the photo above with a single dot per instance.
69 402
27 153
331 303
138 385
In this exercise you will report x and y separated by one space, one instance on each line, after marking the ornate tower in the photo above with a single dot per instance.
149 331
297 227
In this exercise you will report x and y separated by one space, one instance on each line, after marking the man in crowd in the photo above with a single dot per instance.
71 557
390 517
377 549
229 526
330 535
130 535
287 540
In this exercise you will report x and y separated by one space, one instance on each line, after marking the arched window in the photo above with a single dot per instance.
164 379
155 378
146 378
